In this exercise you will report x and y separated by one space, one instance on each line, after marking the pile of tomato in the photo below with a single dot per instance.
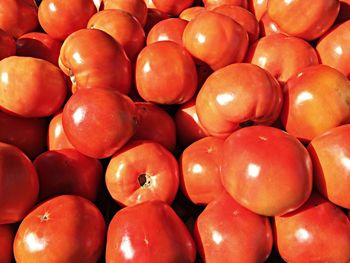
174 131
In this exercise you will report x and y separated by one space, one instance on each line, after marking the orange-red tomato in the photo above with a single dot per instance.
61 18
150 232
190 13
123 27
172 7
31 87
7 236
98 122
258 7
317 232
211 4
67 228
156 84
268 26
7 45
142 171
266 170
93 59
316 100
19 186
226 230
57 138
215 39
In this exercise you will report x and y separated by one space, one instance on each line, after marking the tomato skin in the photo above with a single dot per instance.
153 17
22 82
82 55
57 138
59 19
7 45
306 95
106 135
156 85
317 232
19 184
7 236
258 8
266 170
215 39
190 13
211 4
172 7
268 26
132 235
142 171
225 224
59 230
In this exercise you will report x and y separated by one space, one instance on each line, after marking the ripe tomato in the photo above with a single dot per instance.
190 13
172 7
211 4
258 7
6 243
7 45
268 26
57 138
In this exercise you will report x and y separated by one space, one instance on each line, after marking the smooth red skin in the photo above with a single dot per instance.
29 135
67 228
299 18
39 45
268 26
18 16
155 124
224 225
344 11
169 29
90 126
225 101
211 4
172 7
7 45
282 56
257 7
156 84
266 170
137 158
31 87
243 17
304 114
330 153
200 165
317 232
334 50
57 138
188 127
154 234
19 186
153 17
190 13
68 172
7 236
215 39
95 60
123 27
59 18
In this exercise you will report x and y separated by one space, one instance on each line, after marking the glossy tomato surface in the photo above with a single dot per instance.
172 7
56 137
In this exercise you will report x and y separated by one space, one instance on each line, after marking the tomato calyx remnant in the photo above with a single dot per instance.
45 217
144 180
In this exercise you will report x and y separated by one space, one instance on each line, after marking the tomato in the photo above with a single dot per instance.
316 100
57 138
258 8
123 27
59 18
211 4
224 225
190 13
226 103
19 186
6 243
172 7
268 26
90 126
157 85
317 232
266 170
200 165
215 39
142 171
150 232
93 59
31 87
66 228
7 45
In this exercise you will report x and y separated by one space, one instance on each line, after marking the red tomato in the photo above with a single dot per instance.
142 171
211 4
150 232
67 228
258 8
155 124
7 45
226 103
93 59
330 153
291 16
19 186
190 13
123 27
268 26
57 138
226 230
317 232
172 7
316 100
266 170
215 39
90 126
6 243
31 87
39 45
61 18
200 165
156 84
